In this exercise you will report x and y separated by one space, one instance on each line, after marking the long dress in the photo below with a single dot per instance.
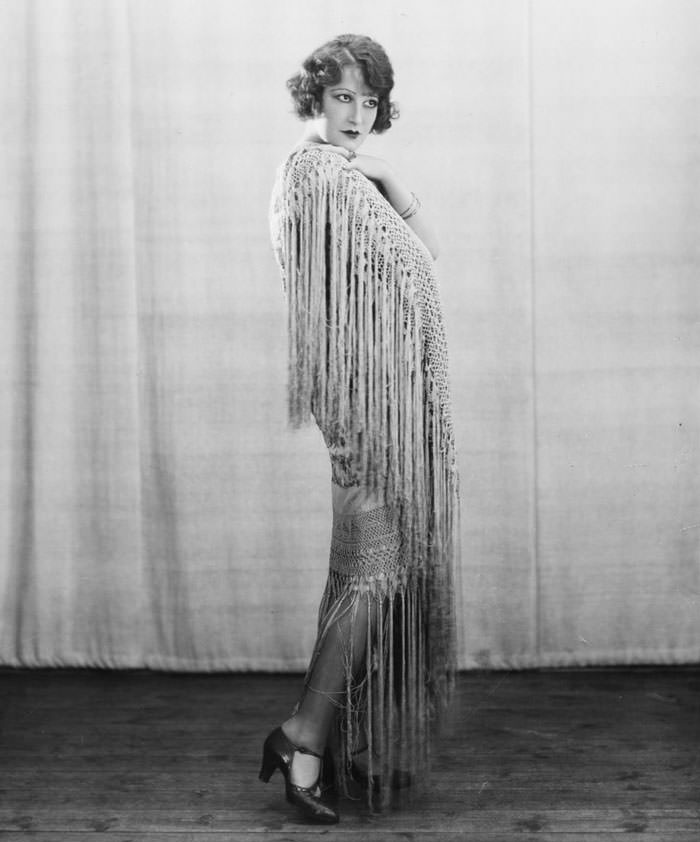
368 362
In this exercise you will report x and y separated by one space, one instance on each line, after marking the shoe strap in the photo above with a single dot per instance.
300 749
304 750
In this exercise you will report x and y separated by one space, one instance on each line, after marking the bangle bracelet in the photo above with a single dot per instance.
412 209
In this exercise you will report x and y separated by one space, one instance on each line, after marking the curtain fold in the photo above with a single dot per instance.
155 511
72 558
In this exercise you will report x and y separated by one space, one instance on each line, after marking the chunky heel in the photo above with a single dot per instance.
269 764
278 753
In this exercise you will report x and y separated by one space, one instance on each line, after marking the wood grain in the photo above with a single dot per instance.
560 755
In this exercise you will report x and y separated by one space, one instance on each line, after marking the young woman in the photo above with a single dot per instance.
368 362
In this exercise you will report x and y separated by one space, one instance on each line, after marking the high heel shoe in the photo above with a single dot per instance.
278 753
400 778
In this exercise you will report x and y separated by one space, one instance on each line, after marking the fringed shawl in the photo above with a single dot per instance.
367 353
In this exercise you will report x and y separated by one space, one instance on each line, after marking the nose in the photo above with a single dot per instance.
356 113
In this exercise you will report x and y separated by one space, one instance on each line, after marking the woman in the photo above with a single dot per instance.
367 358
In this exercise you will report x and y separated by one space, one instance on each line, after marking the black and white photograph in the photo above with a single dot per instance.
349 420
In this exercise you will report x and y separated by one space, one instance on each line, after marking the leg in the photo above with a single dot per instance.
340 655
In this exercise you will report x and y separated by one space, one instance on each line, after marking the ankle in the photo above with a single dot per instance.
303 736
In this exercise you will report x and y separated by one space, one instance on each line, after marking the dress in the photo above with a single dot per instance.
368 363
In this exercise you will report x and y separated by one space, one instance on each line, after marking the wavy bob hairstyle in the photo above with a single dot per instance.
325 66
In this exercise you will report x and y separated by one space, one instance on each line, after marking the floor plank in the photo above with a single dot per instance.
560 755
342 834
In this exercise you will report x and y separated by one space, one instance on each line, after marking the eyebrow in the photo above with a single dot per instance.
350 91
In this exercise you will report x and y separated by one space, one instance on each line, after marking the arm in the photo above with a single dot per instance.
401 198
397 194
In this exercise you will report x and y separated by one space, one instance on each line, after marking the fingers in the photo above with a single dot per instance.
341 150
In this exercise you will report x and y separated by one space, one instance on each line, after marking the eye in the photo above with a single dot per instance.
372 103
343 97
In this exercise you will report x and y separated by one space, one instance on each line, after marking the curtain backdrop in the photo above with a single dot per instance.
155 510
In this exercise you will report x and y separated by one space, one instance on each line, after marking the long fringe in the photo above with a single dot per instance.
384 710
367 354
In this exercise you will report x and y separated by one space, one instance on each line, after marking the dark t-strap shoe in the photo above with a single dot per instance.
278 753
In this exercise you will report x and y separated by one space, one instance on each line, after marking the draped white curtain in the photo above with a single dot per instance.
154 508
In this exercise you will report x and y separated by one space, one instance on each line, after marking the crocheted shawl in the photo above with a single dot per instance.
367 351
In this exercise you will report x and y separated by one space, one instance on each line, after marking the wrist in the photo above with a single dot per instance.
411 209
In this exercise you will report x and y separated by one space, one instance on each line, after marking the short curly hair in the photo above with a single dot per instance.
325 66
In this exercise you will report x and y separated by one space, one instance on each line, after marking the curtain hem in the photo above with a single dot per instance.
553 660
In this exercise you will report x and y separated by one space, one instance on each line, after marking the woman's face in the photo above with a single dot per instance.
348 111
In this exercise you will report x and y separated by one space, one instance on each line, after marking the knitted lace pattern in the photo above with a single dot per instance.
368 361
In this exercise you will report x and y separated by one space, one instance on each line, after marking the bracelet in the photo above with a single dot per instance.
412 209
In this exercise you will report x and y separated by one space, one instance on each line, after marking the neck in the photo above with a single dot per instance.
311 135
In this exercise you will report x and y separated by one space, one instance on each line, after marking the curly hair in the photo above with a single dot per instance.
325 66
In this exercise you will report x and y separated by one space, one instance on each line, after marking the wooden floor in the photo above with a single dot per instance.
150 757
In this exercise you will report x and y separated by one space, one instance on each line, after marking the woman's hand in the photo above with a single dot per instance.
400 198
373 168
376 169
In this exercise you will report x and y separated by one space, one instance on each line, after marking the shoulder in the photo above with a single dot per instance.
314 165
312 172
